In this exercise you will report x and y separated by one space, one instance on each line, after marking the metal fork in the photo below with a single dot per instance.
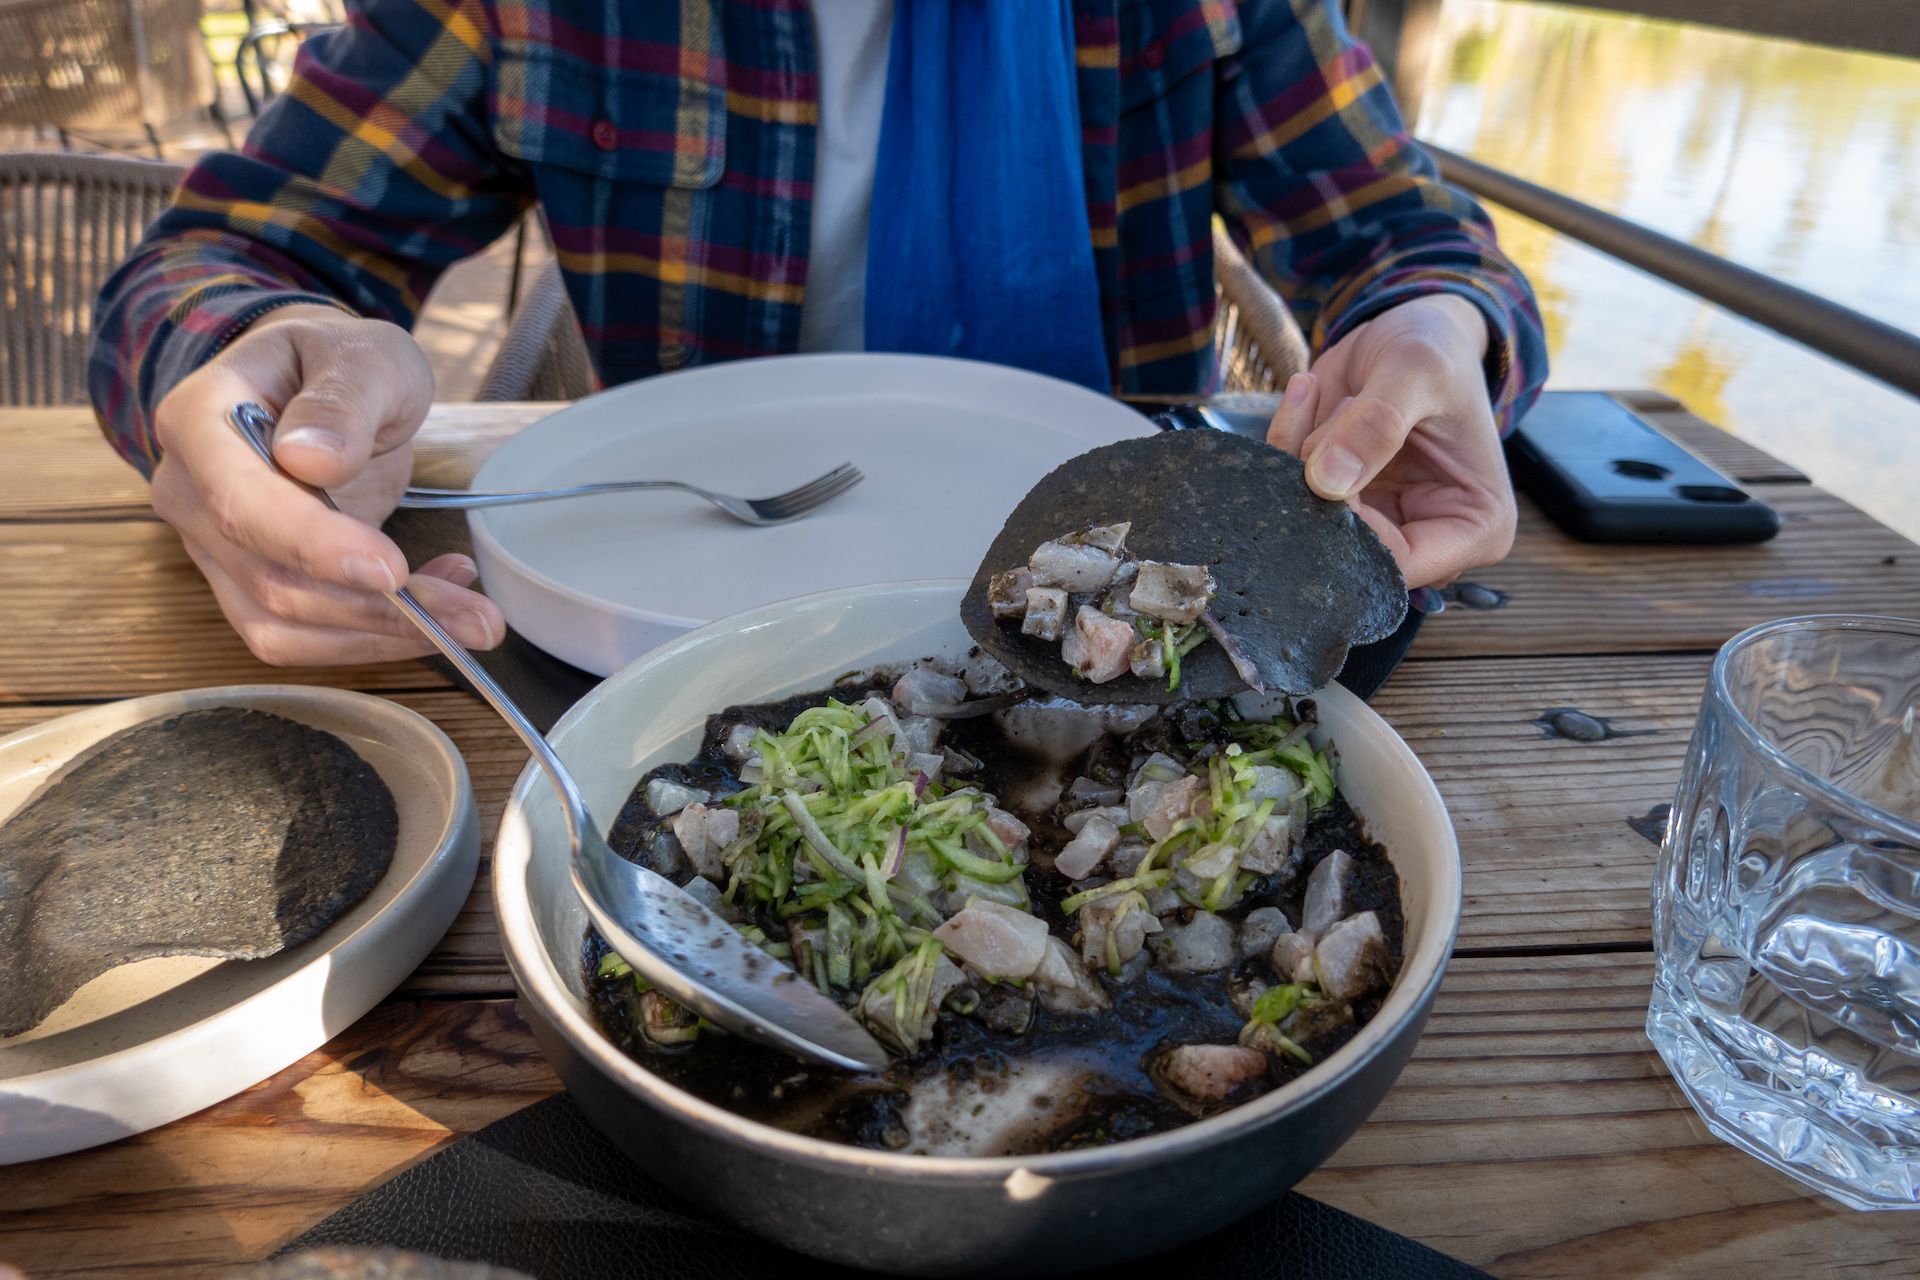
778 509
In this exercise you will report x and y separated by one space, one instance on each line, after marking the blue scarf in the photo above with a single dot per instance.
978 244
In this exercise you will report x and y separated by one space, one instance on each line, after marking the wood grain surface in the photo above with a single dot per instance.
116 609
1535 1133
59 467
234 1182
1570 597
1552 863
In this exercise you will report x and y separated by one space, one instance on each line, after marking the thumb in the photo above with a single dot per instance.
364 388
1354 445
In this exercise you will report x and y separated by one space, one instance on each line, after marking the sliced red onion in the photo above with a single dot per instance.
873 729
1242 664
920 784
810 829
897 857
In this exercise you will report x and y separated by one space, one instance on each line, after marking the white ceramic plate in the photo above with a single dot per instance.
150 1042
655 711
948 448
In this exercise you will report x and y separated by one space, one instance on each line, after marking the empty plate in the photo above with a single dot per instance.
948 448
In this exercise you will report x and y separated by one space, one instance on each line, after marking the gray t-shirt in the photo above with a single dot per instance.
853 38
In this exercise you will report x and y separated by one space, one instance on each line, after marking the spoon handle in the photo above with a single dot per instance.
255 425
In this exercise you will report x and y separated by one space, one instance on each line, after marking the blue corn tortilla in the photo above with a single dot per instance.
225 832
1301 580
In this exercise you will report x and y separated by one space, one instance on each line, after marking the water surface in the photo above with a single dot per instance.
1798 161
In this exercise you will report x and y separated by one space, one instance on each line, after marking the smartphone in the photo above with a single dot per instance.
1605 474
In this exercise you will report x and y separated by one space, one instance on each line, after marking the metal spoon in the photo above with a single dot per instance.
676 943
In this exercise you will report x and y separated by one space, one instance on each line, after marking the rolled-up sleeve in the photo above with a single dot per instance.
371 175
1321 184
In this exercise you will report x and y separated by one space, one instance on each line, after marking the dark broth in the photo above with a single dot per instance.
1112 1095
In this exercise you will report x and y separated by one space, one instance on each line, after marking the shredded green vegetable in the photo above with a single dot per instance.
1176 642
910 985
1285 744
1273 1007
1275 1003
1208 845
612 966
824 834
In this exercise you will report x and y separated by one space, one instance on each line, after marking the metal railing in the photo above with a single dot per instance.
1859 341
1876 26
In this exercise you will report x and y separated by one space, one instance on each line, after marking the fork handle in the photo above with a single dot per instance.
255 425
418 499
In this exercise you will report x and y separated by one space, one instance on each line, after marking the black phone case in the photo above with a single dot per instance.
1604 474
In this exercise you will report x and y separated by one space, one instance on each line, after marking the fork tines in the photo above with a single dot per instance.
810 495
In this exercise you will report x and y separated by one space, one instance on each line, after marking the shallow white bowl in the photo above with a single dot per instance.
940 1215
948 447
149 1042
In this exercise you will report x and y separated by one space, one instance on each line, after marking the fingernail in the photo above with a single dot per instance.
462 572
369 574
1334 472
314 438
1297 387
476 623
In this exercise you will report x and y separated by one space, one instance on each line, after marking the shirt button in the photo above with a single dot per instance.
1154 56
605 136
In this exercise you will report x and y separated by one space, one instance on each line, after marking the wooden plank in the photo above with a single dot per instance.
58 467
1877 26
236 1181
1722 450
116 609
1534 1133
1550 857
1567 596
61 468
457 438
1571 597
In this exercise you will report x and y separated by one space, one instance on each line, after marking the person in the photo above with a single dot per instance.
725 179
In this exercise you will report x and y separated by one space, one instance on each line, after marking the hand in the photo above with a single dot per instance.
1394 418
301 584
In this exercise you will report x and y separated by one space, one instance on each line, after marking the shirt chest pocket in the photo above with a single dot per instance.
1164 42
554 109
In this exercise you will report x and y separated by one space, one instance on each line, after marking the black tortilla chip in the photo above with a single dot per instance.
226 832
1301 580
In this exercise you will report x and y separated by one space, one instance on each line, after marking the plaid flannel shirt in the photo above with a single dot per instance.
671 146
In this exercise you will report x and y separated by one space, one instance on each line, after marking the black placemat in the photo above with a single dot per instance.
544 1192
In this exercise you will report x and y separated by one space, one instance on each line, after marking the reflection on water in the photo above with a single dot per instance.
1797 161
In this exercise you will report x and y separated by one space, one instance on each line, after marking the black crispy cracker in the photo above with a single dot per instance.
1301 580
225 832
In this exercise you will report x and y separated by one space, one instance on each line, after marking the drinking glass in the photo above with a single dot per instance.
1786 906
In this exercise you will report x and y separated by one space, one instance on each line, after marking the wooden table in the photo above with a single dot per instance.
1534 1133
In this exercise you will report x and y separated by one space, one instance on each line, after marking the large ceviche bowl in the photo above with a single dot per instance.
916 1214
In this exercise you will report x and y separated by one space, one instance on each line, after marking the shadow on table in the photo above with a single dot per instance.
542 685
